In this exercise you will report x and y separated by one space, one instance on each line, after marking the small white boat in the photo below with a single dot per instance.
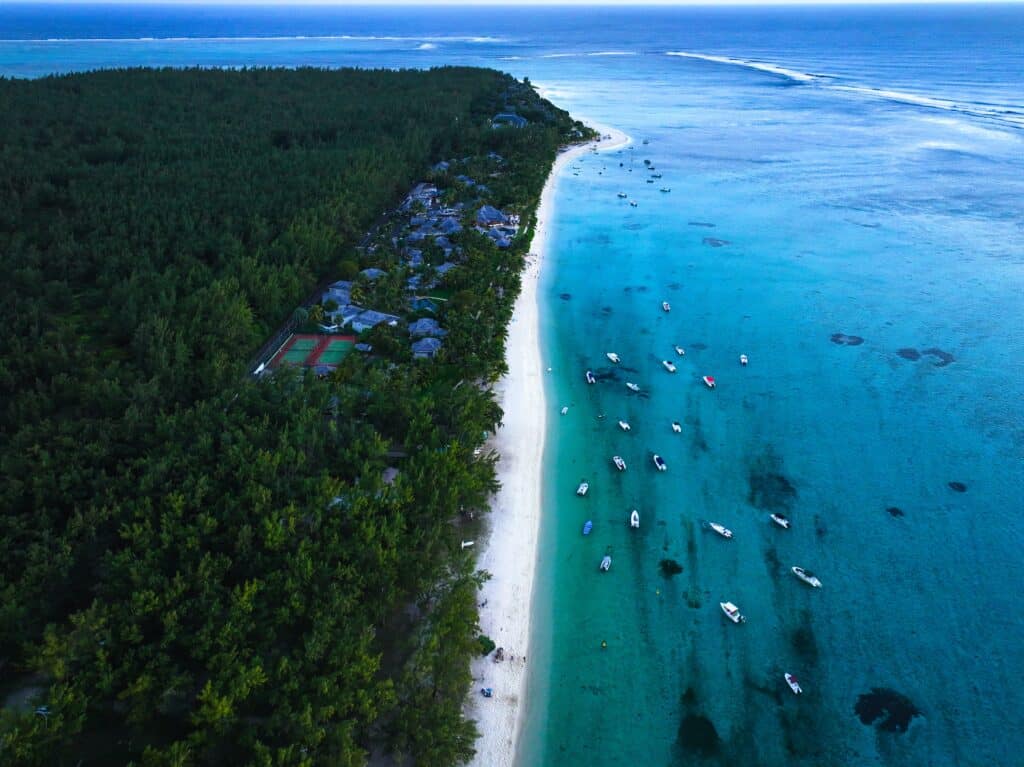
622 195
744 360
582 489
606 563
632 203
632 386
659 462
722 530
565 410
665 189
619 463
668 366
634 518
732 611
677 427
781 521
612 356
665 306
794 685
709 381
679 350
624 425
807 577
590 378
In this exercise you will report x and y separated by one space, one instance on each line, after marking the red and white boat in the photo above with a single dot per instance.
794 685
709 381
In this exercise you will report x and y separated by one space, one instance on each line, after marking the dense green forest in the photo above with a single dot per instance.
201 568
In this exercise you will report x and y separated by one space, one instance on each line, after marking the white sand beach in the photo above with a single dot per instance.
510 552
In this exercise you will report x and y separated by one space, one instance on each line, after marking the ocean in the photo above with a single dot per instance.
845 208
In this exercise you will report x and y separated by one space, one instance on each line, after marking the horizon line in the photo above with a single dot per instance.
522 3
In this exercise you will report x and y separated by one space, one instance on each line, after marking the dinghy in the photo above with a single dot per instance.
612 356
587 527
582 489
659 462
794 685
732 611
632 386
677 427
807 577
709 381
619 463
722 530
606 561
668 366
679 350
781 521
634 518
565 410
590 378
743 360
665 306
624 425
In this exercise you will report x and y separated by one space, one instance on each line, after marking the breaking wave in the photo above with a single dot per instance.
1007 115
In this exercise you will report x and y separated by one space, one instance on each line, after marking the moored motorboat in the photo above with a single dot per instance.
807 577
732 611
612 356
665 306
722 530
781 521
632 203
590 377
634 518
744 360
583 488
622 195
606 561
679 350
565 410
619 463
587 527
659 462
665 189
709 381
677 427
793 683
668 366
632 386
624 425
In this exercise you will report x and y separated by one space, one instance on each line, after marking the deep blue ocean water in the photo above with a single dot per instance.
850 171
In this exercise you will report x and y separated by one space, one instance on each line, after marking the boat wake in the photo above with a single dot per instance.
1012 116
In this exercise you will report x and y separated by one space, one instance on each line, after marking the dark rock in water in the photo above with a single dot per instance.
670 567
894 710
606 311
634 227
805 645
627 289
697 346
642 289
697 733
842 339
714 242
909 354
565 296
895 511
770 491
959 487
674 286
944 358
701 223
689 697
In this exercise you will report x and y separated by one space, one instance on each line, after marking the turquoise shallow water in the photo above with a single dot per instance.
843 207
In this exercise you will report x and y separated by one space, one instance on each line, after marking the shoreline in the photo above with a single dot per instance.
510 551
